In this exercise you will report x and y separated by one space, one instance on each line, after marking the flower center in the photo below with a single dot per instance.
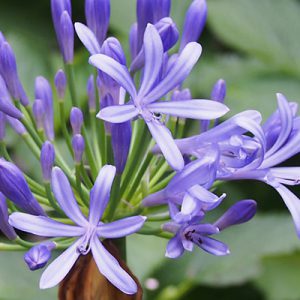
85 247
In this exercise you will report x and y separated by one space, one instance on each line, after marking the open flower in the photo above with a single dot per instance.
88 231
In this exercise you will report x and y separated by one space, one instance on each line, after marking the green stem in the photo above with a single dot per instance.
109 150
11 247
64 126
86 179
162 183
51 199
96 142
78 184
71 83
115 198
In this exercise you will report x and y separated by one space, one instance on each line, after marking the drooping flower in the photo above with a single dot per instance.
88 231
5 227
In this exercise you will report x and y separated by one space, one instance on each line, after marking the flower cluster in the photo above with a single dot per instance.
133 163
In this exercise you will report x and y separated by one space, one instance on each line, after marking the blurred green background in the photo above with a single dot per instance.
255 46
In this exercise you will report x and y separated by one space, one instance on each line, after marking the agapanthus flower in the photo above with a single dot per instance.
87 231
144 102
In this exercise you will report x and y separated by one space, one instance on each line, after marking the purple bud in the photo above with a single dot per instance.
67 37
238 213
16 125
47 160
5 227
180 95
194 22
43 92
76 120
161 10
60 82
6 105
38 256
120 138
91 93
38 113
14 187
133 41
2 126
113 48
218 92
97 14
78 145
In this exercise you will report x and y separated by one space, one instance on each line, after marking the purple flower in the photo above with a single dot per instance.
78 145
60 81
47 160
88 231
16 125
76 120
144 103
14 186
7 229
38 256
38 113
90 88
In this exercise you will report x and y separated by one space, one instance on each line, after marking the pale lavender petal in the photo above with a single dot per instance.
178 72
188 245
100 193
173 210
60 267
189 204
153 59
65 197
115 70
154 199
87 38
174 248
199 109
43 226
118 113
286 175
212 246
207 229
171 227
121 227
111 269
164 139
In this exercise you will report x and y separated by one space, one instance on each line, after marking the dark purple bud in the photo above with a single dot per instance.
2 126
97 14
133 41
238 213
91 93
218 92
67 37
6 105
161 10
120 138
47 160
78 145
16 125
38 256
43 92
180 95
14 187
60 81
168 32
194 22
38 113
5 227
76 120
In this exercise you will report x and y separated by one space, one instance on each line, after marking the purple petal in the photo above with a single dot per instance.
5 227
43 226
154 199
164 140
100 193
189 204
178 72
194 109
153 59
65 197
212 246
286 175
171 227
60 267
87 38
115 70
188 245
121 227
174 248
111 269
118 113
174 211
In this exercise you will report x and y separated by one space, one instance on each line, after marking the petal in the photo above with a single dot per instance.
115 70
121 227
161 134
65 197
99 195
111 269
178 72
174 248
203 229
154 199
60 267
189 204
118 113
287 175
43 226
188 245
212 246
193 109
87 38
173 210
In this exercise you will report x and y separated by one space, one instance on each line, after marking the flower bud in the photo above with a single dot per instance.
5 227
161 10
76 120
238 213
16 125
38 256
43 92
47 160
38 113
2 126
78 145
133 41
60 82
180 95
67 37
168 32
218 92
91 93
14 186
195 20
120 138
97 14
112 48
